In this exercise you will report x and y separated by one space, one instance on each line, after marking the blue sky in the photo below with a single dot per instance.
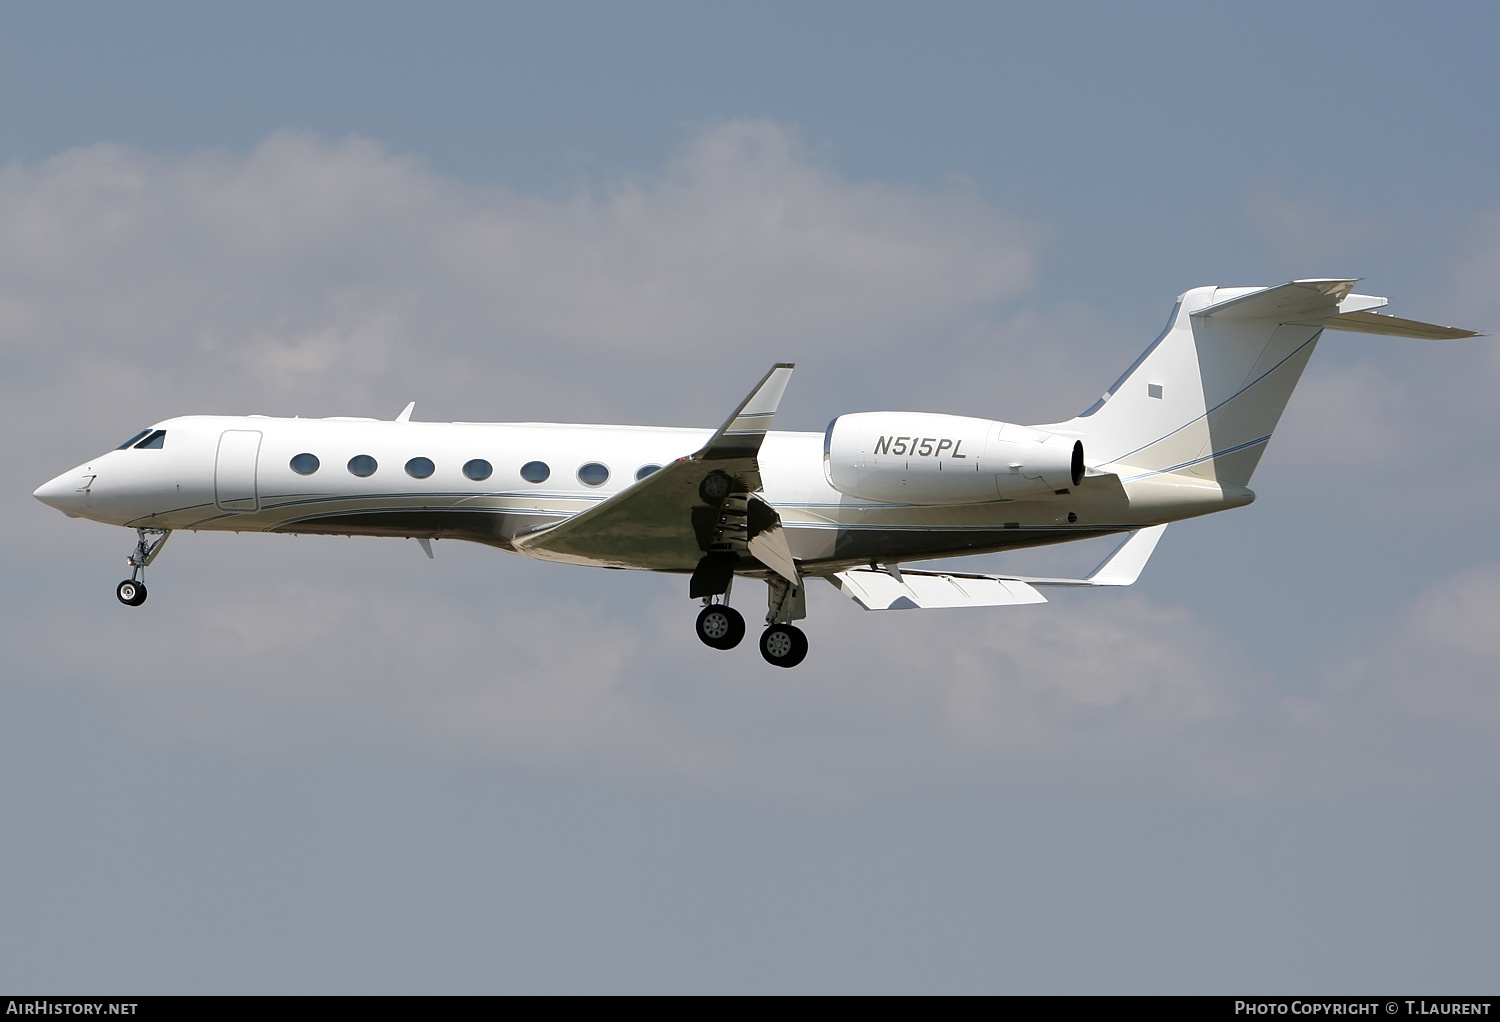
319 765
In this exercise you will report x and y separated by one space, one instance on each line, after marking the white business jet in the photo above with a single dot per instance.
1178 435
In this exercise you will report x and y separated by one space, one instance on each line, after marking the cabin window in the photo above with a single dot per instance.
154 442
420 468
646 470
535 472
478 469
362 465
593 474
305 464
132 441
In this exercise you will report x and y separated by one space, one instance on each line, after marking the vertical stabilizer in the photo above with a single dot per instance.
1203 399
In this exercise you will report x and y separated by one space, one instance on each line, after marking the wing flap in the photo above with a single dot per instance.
767 540
925 590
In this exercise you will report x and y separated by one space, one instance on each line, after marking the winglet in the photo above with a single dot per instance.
742 432
1123 567
1120 568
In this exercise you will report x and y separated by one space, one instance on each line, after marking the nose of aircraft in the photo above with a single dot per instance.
69 492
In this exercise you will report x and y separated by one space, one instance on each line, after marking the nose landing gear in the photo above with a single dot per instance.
132 591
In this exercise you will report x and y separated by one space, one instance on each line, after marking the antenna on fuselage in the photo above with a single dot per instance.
405 415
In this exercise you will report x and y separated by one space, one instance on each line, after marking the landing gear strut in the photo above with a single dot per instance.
148 543
783 643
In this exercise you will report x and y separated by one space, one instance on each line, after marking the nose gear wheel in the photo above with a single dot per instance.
131 593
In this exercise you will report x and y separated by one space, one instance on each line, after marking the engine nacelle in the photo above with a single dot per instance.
929 458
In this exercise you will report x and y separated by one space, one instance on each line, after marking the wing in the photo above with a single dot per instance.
667 521
897 589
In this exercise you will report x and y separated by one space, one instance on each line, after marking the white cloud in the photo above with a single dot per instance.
1411 702
1099 691
313 270
276 667
334 277
1107 690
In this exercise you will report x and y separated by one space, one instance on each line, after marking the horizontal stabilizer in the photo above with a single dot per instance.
1395 326
1284 302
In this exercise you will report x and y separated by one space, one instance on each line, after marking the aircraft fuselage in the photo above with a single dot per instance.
482 482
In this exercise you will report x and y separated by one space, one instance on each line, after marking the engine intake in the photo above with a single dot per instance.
929 458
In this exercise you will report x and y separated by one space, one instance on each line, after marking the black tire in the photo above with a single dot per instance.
783 645
131 593
715 487
720 627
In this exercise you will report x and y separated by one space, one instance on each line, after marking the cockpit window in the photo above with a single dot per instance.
132 440
153 442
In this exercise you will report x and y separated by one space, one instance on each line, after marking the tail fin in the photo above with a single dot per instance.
1204 398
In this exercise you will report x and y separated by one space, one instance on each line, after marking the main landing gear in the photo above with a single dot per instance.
721 626
148 543
782 643
727 525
